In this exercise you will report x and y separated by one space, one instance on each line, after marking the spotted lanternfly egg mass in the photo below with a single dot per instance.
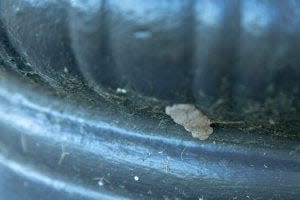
192 119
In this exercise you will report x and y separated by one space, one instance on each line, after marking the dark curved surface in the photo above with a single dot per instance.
38 131
176 48
67 134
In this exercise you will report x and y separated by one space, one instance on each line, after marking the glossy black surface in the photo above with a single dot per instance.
52 149
66 133
200 50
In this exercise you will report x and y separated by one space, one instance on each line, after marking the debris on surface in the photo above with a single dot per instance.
166 166
271 121
100 183
121 91
136 178
63 154
66 70
192 119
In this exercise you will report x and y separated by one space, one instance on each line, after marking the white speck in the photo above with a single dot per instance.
271 121
200 198
121 91
136 178
265 166
66 70
28 64
100 183
142 34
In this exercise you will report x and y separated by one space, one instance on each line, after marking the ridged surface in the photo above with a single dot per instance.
168 49
66 133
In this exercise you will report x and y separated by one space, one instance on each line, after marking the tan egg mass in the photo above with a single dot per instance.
192 119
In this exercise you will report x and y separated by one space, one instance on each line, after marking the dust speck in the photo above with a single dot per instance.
66 70
63 154
271 121
136 178
121 91
100 183
192 119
